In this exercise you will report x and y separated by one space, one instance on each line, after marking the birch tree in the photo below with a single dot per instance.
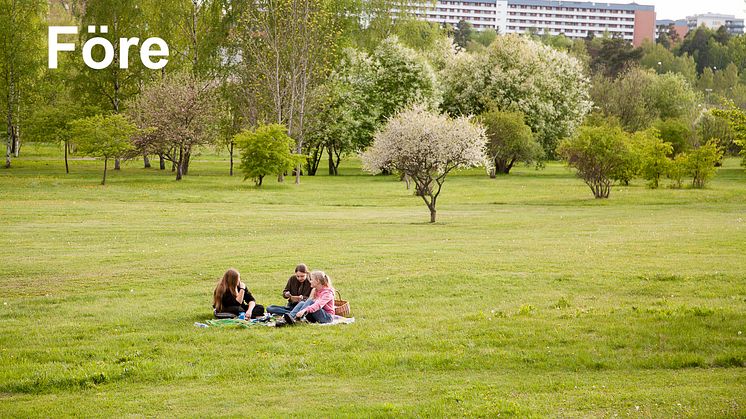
286 47
21 51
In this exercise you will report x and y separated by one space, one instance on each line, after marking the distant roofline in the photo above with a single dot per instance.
582 4
712 15
676 22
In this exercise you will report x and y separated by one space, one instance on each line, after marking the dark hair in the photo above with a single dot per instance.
301 268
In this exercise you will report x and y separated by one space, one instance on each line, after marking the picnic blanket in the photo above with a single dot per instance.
263 321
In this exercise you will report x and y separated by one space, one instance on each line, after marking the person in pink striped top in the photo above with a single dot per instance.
319 308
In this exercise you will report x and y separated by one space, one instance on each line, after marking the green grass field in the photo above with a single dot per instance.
527 297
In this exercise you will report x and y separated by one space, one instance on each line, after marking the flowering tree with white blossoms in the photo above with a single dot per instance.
426 147
514 74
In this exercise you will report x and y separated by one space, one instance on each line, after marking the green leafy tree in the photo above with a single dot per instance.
612 56
676 132
726 80
378 20
287 48
626 98
111 87
102 136
485 37
598 153
661 60
639 96
344 112
196 32
22 27
706 48
266 150
652 154
510 140
402 78
418 34
463 34
706 80
736 117
51 124
701 161
677 170
709 126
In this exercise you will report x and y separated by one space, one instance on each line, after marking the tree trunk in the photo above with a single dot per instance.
407 180
7 155
117 164
9 141
106 163
179 165
492 172
162 162
432 215
146 161
332 168
185 162
261 178
67 167
281 178
315 160
230 149
10 79
510 166
17 142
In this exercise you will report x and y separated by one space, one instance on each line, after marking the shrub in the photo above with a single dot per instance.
701 163
598 153
677 169
509 140
266 150
103 136
651 154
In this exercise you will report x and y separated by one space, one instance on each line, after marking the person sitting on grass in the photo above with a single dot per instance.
297 290
319 308
231 296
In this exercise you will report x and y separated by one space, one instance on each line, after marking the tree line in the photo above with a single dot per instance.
294 83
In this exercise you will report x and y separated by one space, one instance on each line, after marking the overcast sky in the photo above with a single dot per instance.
680 9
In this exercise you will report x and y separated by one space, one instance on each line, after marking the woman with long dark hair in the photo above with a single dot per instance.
231 296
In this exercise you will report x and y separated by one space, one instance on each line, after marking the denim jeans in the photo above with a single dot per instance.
318 316
280 310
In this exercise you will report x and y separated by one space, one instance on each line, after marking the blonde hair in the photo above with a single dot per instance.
227 283
322 278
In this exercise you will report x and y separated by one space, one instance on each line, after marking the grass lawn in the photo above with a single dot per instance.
527 297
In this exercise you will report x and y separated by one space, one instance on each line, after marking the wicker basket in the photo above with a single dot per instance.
341 307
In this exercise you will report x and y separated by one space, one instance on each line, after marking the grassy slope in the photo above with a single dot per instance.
527 297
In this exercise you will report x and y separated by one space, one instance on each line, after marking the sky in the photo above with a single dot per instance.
680 9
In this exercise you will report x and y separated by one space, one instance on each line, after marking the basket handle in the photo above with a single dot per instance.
338 294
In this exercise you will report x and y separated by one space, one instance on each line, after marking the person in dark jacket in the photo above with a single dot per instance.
296 290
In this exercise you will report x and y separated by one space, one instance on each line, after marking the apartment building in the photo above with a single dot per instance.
714 21
632 22
664 26
482 14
